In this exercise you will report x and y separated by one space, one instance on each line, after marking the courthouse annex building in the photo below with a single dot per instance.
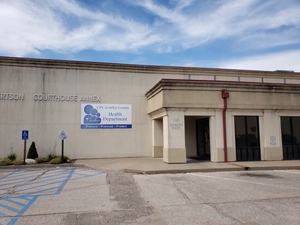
107 110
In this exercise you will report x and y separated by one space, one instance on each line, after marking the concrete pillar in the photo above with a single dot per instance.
270 136
174 150
231 153
218 155
157 138
213 139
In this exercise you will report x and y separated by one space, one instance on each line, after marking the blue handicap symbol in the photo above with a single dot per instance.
25 135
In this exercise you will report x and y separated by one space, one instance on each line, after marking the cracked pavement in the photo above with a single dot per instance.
84 196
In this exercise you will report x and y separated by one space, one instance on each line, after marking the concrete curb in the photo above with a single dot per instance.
275 168
153 169
40 166
204 170
179 171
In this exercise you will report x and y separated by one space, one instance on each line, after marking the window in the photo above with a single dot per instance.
290 131
247 138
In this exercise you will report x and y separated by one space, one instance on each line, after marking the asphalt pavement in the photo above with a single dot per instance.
149 191
81 195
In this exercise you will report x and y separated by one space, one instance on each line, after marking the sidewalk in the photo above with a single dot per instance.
149 165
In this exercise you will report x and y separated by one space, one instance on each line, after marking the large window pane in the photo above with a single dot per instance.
290 131
286 131
296 130
247 138
252 132
240 131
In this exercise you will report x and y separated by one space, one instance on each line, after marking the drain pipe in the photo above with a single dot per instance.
225 95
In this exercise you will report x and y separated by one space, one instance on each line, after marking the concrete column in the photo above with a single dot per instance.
218 155
270 136
213 139
157 138
174 150
231 154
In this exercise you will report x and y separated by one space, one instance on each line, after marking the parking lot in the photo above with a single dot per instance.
70 195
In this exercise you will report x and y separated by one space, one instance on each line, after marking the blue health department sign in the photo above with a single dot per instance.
105 116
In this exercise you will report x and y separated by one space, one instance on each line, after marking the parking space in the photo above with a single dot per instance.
244 197
70 195
20 188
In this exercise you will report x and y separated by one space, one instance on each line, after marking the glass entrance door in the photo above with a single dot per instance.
203 142
247 138
290 131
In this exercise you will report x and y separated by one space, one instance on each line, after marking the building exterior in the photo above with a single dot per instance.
106 110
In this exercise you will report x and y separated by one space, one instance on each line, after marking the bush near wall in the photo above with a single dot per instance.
32 153
41 160
58 160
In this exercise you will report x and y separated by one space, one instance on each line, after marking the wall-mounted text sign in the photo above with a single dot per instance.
105 116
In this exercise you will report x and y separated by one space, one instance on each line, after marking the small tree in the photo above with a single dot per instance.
32 153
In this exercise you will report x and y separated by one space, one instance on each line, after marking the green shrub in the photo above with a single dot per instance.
32 153
55 160
66 158
41 160
5 162
52 155
12 156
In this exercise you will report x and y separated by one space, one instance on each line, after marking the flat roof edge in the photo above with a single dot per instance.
163 84
136 68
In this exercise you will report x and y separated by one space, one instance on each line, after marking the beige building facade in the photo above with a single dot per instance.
118 110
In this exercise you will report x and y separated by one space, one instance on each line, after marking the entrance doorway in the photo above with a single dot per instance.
290 130
247 138
203 140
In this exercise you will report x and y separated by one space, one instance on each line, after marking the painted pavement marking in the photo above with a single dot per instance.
20 188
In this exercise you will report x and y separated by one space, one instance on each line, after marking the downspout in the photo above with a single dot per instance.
225 95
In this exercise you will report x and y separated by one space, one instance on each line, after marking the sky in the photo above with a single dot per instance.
235 34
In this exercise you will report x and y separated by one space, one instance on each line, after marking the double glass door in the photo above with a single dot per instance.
203 142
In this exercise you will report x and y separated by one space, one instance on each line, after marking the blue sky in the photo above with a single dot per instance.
236 34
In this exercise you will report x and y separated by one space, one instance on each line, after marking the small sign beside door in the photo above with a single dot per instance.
272 140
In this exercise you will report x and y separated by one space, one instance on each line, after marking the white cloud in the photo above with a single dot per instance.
279 61
228 19
263 40
29 26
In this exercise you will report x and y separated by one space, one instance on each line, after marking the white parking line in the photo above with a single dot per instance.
232 179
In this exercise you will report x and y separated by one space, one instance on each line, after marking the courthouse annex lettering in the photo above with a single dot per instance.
68 98
53 97
11 96
93 98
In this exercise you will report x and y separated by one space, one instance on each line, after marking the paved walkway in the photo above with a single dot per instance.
149 165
